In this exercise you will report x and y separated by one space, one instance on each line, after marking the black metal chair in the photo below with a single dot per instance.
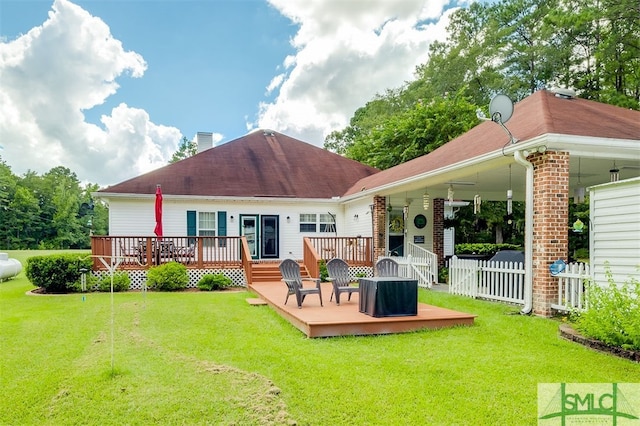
290 270
186 255
338 271
387 267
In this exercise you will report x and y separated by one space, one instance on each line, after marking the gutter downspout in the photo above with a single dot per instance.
528 233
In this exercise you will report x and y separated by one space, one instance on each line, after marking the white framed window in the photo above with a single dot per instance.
207 226
327 223
312 222
308 222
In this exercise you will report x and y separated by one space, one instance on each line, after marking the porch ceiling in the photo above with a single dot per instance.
491 179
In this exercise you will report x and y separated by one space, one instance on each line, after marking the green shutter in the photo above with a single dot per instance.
222 224
191 223
222 228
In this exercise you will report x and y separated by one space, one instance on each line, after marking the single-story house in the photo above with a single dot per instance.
274 190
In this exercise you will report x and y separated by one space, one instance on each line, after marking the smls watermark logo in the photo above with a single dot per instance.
588 403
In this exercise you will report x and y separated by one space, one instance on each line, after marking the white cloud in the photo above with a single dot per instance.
54 72
347 52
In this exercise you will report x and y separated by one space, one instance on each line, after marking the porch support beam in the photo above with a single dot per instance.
550 224
438 230
379 226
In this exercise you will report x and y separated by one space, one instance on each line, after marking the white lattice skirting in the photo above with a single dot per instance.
138 278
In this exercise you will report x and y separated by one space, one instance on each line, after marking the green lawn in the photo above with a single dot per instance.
211 358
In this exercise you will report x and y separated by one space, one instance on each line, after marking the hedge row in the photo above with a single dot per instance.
62 273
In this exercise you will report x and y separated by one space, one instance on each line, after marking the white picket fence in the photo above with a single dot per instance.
571 287
504 281
500 281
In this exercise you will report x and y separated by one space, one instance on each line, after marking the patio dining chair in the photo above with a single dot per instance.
187 254
387 267
290 270
130 254
338 271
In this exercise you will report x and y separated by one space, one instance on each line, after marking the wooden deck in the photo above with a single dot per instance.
345 320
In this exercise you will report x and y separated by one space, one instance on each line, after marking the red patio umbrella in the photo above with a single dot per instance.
158 228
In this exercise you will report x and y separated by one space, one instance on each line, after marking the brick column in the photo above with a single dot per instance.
379 226
438 230
550 224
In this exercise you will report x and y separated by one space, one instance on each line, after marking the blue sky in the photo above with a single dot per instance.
109 87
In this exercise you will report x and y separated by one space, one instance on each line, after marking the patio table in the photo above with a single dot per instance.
388 296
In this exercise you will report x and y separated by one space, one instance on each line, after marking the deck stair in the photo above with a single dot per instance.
262 272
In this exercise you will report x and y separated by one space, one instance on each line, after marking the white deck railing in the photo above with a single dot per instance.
419 264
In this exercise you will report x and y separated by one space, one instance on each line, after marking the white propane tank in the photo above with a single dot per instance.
9 267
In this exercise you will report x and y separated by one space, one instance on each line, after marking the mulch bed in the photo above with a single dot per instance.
569 333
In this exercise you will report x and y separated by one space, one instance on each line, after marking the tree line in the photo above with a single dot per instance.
49 211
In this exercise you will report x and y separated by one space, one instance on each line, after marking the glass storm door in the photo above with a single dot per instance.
249 229
269 237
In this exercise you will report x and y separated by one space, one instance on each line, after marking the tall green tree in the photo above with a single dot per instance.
466 60
26 225
599 49
96 216
402 134
365 120
186 149
65 200
8 184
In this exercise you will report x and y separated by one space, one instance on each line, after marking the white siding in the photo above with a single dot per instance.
416 208
449 241
357 219
614 237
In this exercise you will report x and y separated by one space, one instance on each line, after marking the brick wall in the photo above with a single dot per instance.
379 228
550 224
438 230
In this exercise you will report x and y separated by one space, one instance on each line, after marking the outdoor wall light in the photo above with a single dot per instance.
355 216
231 218
288 219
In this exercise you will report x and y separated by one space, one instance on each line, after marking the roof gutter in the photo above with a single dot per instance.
528 232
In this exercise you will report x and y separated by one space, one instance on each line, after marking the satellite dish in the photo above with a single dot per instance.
501 109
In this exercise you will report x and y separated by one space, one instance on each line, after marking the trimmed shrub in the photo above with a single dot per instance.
121 282
443 275
211 282
57 273
91 282
484 248
168 277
